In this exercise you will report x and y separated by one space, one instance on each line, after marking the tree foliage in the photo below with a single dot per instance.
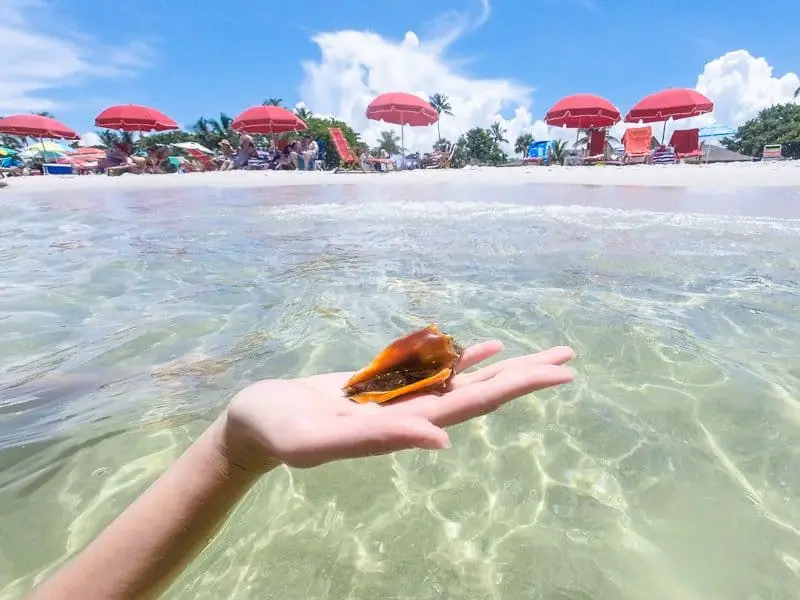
522 142
441 104
779 124
478 146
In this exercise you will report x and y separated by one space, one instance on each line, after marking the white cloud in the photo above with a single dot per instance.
36 62
356 66
90 138
741 85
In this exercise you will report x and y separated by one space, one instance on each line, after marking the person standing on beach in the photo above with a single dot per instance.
300 423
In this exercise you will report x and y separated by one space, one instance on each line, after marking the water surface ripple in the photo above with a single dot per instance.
670 469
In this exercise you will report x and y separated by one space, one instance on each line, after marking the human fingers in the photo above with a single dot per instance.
477 353
482 397
557 355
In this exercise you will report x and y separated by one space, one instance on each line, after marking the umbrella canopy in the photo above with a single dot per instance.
87 154
193 146
677 103
50 147
132 117
400 108
267 120
36 126
582 111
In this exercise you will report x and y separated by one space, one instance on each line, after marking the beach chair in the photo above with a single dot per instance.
772 152
539 152
350 161
205 161
346 156
596 148
440 159
686 143
636 142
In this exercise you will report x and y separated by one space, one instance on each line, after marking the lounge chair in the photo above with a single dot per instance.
596 148
539 152
636 141
440 159
350 162
686 143
772 152
205 160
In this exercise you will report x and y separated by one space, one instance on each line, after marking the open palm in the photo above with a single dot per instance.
307 422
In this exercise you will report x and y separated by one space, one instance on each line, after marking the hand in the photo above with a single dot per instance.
307 422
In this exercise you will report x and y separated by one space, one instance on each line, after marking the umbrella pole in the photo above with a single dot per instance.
44 155
403 147
663 133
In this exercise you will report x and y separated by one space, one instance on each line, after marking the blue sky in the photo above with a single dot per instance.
508 58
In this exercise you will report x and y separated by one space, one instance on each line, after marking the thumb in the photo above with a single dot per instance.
384 433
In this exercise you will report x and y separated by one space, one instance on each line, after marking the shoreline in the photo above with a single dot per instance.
725 175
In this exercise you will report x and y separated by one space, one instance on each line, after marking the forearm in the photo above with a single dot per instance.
143 549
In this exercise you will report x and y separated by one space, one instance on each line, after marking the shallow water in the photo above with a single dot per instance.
670 469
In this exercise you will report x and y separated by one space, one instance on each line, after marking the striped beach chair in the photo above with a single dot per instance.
772 152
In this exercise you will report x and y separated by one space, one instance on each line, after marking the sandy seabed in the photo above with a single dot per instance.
731 175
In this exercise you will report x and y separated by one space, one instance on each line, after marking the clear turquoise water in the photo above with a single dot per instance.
670 469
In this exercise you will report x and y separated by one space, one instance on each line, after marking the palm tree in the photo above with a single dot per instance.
303 113
388 141
497 133
559 152
441 104
523 141
273 102
44 113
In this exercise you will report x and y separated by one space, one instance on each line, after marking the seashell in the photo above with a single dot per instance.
421 360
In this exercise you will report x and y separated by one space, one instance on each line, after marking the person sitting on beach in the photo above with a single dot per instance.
224 158
299 423
156 159
310 151
120 160
246 151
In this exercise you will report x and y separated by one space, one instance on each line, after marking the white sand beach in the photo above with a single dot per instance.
723 175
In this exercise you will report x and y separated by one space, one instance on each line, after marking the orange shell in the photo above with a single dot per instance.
418 361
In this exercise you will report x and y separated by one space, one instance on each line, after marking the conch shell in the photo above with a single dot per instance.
422 360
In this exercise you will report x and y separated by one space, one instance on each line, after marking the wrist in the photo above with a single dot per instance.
240 457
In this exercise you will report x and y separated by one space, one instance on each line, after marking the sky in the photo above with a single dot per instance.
496 60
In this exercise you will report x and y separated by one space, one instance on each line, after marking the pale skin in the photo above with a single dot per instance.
300 423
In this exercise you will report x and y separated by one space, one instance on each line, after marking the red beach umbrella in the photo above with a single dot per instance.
678 103
582 111
36 126
400 108
675 103
133 117
267 120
